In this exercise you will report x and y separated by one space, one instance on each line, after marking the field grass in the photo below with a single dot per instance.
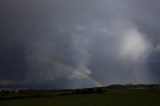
136 97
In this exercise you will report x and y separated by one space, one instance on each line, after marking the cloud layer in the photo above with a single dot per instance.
110 41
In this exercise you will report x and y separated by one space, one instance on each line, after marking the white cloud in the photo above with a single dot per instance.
133 45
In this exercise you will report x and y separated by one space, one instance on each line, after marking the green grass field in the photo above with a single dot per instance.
109 98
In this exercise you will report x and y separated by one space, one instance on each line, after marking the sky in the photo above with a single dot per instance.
61 44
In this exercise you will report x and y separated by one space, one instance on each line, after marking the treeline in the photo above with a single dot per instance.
29 93
21 93
131 86
97 90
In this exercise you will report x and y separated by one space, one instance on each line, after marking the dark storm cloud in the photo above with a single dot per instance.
95 35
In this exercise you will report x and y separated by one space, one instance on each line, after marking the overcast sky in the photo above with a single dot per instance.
79 43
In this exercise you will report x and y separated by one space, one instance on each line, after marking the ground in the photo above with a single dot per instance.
109 98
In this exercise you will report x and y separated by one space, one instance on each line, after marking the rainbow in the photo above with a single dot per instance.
82 71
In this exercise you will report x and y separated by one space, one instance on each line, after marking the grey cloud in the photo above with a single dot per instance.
80 33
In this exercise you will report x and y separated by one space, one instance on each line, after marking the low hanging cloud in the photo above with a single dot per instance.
124 49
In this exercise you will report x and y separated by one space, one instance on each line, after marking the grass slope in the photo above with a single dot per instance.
135 97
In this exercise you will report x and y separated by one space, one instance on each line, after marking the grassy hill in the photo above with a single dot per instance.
117 95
